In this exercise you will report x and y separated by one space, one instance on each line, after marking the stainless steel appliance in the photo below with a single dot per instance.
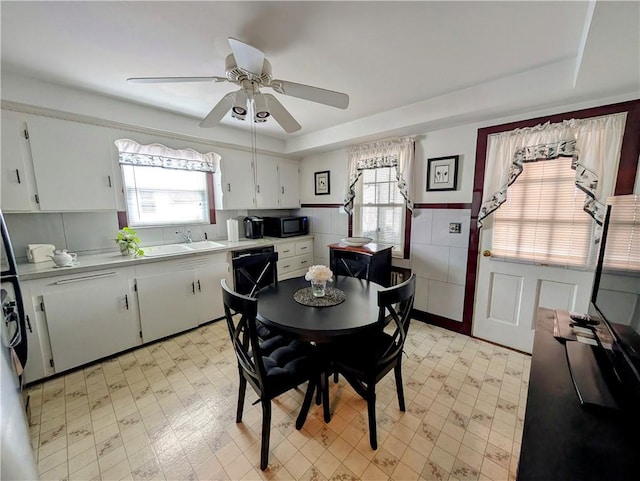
16 453
286 226
253 227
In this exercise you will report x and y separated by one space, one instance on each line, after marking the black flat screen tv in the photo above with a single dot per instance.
615 297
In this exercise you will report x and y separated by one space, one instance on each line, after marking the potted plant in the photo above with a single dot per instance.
129 242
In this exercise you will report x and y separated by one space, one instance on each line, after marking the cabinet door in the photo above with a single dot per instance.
289 184
167 303
209 298
238 188
17 181
267 194
89 318
73 165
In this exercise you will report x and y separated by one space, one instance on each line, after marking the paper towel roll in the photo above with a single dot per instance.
232 230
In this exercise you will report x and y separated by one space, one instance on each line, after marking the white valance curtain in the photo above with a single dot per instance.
593 144
398 153
158 155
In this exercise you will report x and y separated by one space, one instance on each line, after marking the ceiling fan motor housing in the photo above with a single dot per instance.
236 75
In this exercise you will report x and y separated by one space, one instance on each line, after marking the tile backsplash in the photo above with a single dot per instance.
93 232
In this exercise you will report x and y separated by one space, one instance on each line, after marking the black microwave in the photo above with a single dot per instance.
286 226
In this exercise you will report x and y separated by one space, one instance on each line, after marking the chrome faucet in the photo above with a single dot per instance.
186 237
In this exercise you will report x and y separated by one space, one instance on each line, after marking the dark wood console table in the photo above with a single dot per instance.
371 262
563 440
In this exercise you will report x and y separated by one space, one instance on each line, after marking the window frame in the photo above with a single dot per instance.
123 216
404 251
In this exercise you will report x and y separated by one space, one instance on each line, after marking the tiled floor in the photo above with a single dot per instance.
166 411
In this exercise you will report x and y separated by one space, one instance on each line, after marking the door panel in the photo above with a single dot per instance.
508 294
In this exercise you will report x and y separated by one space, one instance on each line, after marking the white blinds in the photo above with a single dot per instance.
542 220
623 238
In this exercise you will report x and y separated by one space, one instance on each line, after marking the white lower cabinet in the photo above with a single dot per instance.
178 295
89 316
294 258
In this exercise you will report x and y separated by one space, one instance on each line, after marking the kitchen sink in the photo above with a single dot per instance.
166 249
207 244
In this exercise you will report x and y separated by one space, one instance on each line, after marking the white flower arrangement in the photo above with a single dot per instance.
319 273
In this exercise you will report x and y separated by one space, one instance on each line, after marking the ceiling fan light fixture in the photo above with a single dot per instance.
261 108
239 109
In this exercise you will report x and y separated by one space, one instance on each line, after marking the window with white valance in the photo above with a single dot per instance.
380 189
165 186
546 187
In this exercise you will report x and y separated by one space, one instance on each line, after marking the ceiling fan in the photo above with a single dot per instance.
247 67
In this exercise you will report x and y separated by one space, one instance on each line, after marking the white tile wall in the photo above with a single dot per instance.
439 260
438 257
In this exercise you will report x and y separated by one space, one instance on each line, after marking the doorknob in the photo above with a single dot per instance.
486 253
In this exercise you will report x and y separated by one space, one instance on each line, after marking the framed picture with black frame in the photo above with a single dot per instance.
322 182
442 173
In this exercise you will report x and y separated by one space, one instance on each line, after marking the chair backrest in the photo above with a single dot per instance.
395 304
244 336
255 271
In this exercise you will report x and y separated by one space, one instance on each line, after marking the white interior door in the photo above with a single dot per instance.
508 294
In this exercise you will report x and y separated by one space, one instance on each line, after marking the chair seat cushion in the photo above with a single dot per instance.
287 363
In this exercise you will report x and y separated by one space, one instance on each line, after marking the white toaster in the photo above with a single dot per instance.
40 252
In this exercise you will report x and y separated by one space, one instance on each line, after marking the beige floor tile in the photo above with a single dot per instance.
167 411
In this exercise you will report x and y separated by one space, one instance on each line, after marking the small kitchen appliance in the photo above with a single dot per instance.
254 227
286 226
39 252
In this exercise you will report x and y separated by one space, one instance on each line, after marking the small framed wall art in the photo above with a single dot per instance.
442 173
323 187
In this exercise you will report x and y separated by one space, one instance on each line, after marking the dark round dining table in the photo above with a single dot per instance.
278 309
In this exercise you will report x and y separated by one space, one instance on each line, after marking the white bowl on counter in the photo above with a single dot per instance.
356 241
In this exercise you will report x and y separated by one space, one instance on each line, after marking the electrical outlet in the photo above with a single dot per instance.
455 228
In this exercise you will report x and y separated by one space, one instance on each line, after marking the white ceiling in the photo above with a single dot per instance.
385 55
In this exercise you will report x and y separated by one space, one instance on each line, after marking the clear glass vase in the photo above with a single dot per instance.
318 288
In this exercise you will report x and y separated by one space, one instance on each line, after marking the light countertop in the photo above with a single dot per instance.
92 262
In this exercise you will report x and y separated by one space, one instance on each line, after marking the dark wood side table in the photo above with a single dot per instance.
563 440
371 262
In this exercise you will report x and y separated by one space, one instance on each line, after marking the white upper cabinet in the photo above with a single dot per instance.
73 164
18 186
234 185
277 183
267 189
289 180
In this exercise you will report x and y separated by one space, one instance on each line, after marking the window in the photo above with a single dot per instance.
157 196
379 209
163 186
543 220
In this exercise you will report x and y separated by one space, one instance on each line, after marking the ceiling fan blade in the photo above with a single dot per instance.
248 58
157 80
214 117
314 94
281 115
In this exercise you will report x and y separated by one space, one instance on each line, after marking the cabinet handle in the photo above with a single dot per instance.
109 177
126 301
285 267
28 323
303 262
228 187
86 278
283 189
193 288
18 176
258 189
303 248
199 289
284 252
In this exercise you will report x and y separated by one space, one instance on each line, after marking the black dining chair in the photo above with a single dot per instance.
365 362
252 273
272 366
